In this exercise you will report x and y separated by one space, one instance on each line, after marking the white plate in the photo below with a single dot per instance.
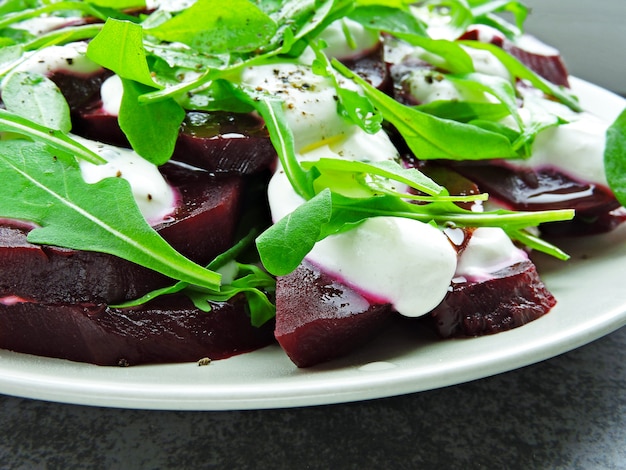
591 303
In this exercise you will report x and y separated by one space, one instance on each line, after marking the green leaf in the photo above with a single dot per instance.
36 97
119 47
101 217
398 22
119 4
58 140
430 137
518 70
152 128
216 26
615 157
386 169
464 111
285 244
351 105
498 87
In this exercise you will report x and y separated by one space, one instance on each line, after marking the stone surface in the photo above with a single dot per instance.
565 413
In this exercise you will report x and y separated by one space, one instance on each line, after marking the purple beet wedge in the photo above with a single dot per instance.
167 330
319 319
513 297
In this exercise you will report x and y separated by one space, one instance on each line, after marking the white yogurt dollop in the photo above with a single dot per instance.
156 199
489 250
71 57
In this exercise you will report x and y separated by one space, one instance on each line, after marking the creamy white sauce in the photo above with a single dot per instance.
427 85
310 104
44 24
111 92
70 57
488 251
577 148
156 199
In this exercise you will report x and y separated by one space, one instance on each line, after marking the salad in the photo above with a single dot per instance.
191 179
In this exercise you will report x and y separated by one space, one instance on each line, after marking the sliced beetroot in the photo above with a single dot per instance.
92 122
543 60
225 142
79 90
216 142
371 66
547 189
168 330
202 227
319 319
513 297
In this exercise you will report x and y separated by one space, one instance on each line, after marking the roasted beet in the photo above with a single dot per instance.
217 142
319 319
547 188
79 90
92 122
168 330
225 142
201 228
371 66
513 297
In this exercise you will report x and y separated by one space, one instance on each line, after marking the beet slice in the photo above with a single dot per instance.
319 319
217 142
371 66
202 227
513 297
79 90
548 188
167 330
225 142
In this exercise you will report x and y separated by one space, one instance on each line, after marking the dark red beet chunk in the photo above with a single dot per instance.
168 330
225 142
513 297
372 67
216 142
79 90
92 122
547 189
319 319
201 228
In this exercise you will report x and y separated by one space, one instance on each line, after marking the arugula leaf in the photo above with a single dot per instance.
36 97
393 20
101 217
152 128
386 169
283 246
119 47
430 137
216 27
56 139
615 157
250 280
464 111
519 70
498 87
350 104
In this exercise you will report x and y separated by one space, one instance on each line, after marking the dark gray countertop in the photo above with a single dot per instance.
565 413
